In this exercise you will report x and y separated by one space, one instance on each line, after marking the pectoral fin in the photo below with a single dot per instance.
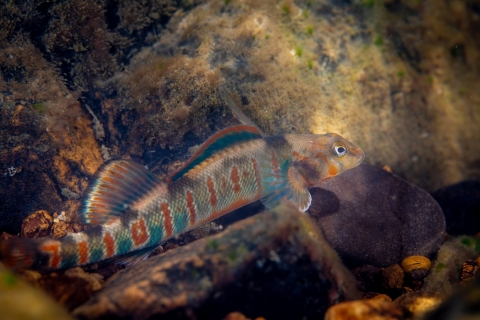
282 182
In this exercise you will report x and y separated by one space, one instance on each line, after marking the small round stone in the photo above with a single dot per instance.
392 277
381 296
416 262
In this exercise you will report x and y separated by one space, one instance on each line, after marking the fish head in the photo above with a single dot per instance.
321 157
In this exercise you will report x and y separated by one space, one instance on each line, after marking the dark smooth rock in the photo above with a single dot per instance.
461 205
367 278
370 216
274 265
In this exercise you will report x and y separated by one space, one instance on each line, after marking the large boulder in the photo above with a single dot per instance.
370 216
275 265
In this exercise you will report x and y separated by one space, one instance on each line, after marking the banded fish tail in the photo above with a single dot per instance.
119 227
19 253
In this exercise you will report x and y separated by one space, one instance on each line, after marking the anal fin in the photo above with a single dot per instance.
134 257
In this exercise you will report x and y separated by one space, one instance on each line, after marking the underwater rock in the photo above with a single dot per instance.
464 305
373 309
38 224
418 304
261 267
444 278
461 205
70 288
370 216
18 300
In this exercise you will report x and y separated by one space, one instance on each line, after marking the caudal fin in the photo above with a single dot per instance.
18 253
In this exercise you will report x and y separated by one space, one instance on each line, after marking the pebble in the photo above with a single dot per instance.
36 225
59 229
392 277
469 272
370 216
418 303
364 309
416 262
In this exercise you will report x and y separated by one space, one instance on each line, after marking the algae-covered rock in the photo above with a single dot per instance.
370 216
20 301
274 265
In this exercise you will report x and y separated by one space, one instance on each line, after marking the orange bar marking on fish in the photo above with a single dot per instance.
257 178
53 250
235 179
139 232
167 224
191 207
211 189
82 252
109 245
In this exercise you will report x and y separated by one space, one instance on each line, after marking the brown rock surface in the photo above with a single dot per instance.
70 288
38 224
261 266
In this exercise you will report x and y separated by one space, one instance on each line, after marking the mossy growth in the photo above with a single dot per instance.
227 2
378 41
286 9
310 64
212 244
440 266
298 51
232 255
368 3
9 279
400 73
310 31
472 243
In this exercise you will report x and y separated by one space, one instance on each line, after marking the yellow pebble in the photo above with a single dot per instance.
381 296
416 262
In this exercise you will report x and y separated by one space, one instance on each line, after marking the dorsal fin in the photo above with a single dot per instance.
219 141
237 111
114 187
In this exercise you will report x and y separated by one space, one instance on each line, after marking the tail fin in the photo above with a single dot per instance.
18 253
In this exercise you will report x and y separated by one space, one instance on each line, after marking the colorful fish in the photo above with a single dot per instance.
134 212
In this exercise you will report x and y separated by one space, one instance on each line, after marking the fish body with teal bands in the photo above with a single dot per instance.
133 212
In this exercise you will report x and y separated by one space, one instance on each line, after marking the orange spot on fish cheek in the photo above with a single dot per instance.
332 170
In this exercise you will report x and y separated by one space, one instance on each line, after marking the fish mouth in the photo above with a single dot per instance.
360 159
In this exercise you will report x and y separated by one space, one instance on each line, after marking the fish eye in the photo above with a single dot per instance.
339 150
